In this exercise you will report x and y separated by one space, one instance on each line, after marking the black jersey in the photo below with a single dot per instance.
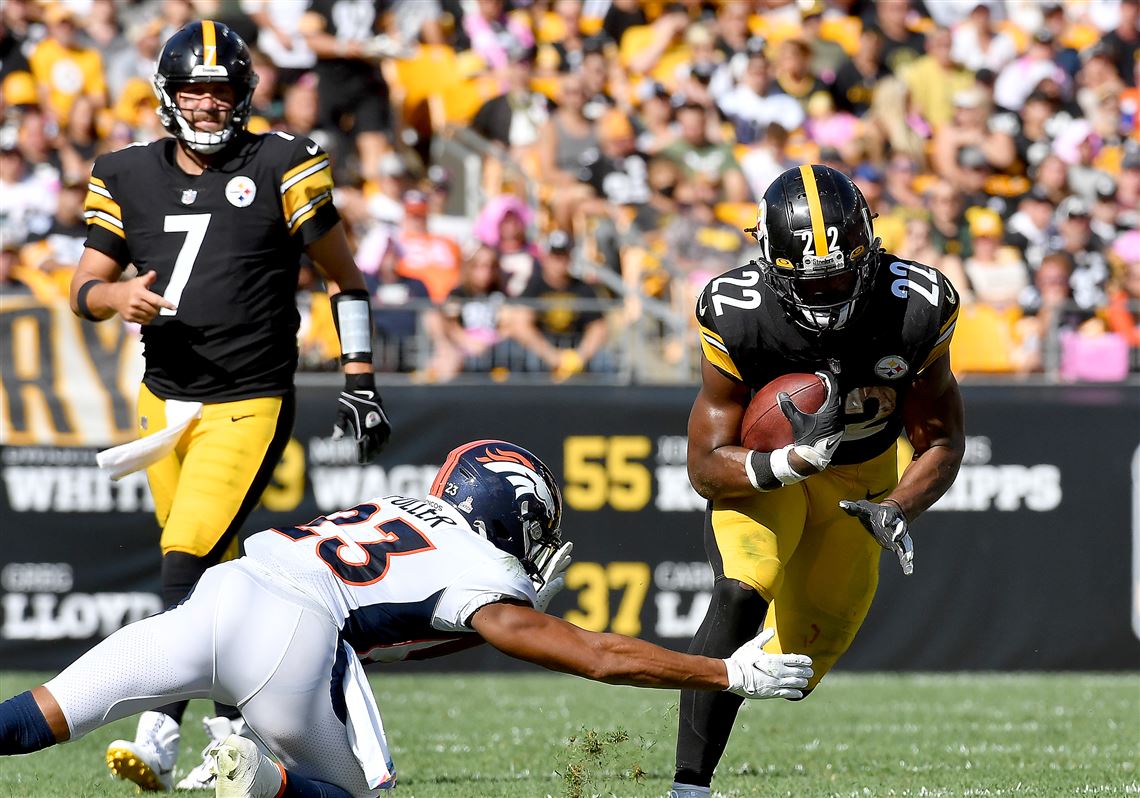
907 325
226 246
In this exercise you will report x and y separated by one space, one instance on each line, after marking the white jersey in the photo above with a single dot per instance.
396 574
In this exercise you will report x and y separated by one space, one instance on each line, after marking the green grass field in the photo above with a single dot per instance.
858 735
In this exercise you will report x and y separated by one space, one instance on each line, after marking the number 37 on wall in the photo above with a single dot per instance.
598 585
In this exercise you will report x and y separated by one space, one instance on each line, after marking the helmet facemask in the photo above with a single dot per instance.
173 119
823 294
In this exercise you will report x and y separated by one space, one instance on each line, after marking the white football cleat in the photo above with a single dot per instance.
243 771
149 759
202 776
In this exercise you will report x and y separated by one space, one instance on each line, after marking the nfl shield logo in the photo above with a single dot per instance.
188 196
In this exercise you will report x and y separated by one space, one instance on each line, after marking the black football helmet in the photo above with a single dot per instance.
819 253
508 495
204 52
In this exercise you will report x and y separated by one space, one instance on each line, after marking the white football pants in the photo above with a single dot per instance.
240 640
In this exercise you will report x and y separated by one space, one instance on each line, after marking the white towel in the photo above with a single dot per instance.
365 729
137 454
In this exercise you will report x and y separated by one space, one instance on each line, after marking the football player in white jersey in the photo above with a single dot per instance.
477 560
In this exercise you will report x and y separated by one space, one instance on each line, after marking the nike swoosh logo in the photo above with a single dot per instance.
239 418
312 149
877 496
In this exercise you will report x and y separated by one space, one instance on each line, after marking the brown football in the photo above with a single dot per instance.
765 428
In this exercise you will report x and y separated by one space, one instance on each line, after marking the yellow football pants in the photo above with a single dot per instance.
817 566
206 488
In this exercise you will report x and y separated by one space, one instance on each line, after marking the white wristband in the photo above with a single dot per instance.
782 469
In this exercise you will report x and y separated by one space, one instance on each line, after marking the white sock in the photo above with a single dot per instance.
689 791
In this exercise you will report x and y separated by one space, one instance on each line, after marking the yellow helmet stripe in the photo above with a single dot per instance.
816 209
209 43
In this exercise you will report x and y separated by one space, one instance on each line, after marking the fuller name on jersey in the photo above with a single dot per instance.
226 247
906 325
397 574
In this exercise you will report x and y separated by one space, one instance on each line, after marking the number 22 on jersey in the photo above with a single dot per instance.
193 225
349 546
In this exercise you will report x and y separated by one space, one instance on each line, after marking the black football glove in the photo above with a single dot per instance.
888 525
817 435
360 414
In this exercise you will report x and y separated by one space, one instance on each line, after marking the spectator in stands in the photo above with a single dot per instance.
898 186
620 17
978 44
935 79
700 245
1052 177
59 247
301 111
471 319
756 102
970 127
565 141
857 77
559 336
12 58
654 121
280 38
970 176
894 123
432 259
947 229
1078 146
11 282
1105 218
829 127
793 74
696 154
917 246
1031 229
1047 307
1122 315
1019 78
496 35
399 313
1128 185
1090 266
1124 41
63 68
568 50
901 45
503 225
353 94
992 274
514 118
441 220
826 55
767 160
1033 139
29 193
600 74
730 28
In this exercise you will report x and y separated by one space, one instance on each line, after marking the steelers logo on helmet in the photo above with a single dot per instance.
820 253
204 52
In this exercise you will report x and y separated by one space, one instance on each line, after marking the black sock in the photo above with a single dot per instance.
733 618
23 727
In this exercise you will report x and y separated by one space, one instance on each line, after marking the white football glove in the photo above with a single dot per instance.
552 578
753 673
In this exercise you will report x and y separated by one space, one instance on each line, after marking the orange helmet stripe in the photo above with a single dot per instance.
451 461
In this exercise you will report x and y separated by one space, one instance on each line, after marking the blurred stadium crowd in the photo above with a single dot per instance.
620 147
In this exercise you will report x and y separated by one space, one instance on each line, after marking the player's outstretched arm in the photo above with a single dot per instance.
523 632
934 417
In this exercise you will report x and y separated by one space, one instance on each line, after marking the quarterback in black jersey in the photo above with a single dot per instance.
786 531
215 221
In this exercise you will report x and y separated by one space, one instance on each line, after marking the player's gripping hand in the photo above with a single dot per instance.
887 523
753 673
135 302
361 416
552 578
816 435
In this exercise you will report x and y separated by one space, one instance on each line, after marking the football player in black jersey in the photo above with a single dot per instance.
786 531
215 220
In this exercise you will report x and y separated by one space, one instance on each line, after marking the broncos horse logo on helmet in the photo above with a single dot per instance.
509 496
204 52
819 253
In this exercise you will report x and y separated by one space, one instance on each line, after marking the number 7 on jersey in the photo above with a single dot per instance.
194 226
